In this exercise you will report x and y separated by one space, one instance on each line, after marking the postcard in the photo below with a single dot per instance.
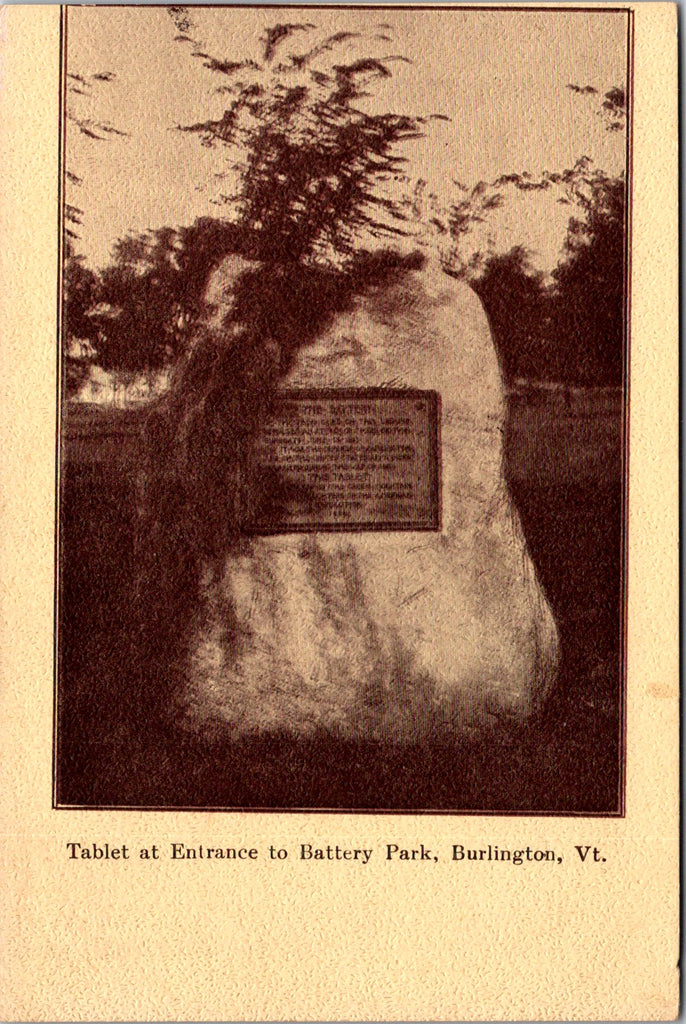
340 635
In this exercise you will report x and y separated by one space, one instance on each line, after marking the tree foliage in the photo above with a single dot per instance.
517 305
81 286
82 85
308 159
78 333
572 329
589 285
138 292
613 108
140 311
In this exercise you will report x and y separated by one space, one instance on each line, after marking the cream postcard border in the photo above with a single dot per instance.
190 941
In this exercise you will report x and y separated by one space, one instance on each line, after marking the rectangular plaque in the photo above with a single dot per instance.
358 459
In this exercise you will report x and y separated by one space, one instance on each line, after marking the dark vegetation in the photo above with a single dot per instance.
572 329
309 163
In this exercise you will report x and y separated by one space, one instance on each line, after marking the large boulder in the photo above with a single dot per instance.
402 636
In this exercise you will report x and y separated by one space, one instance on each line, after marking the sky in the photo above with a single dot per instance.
501 76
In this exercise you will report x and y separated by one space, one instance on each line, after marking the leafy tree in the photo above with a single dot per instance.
79 332
588 314
309 165
309 161
474 206
81 293
148 300
138 293
614 108
517 305
80 285
572 329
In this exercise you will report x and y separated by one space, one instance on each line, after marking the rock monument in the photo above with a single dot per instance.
388 593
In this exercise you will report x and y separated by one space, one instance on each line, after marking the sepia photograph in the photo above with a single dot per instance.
342 441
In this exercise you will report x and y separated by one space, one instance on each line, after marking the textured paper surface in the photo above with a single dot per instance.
136 940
